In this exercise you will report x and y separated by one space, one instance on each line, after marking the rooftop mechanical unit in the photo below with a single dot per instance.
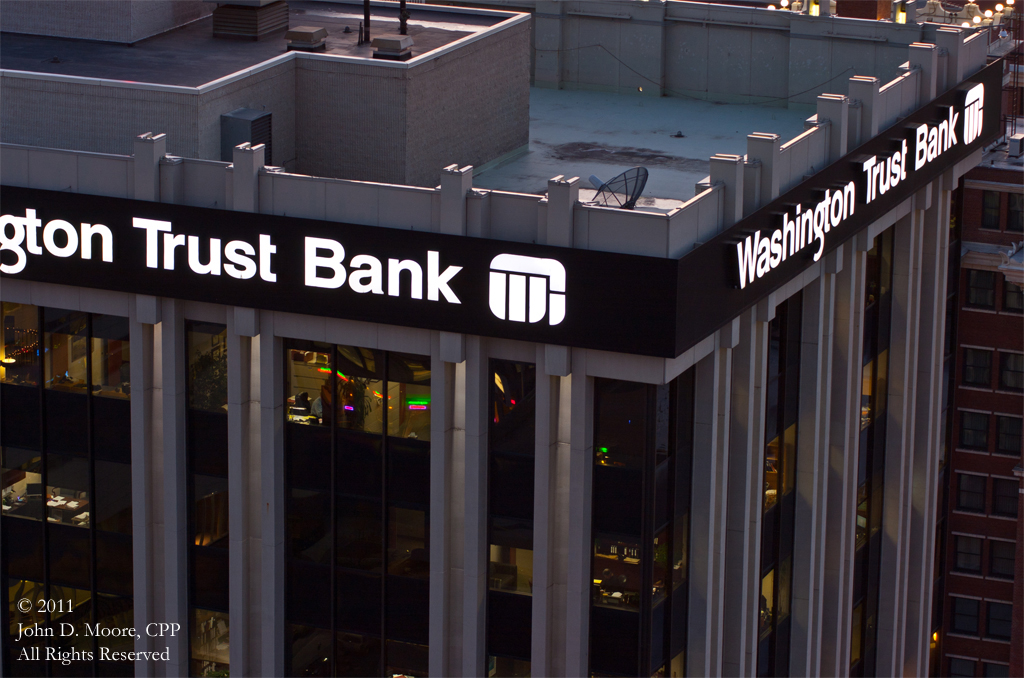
245 125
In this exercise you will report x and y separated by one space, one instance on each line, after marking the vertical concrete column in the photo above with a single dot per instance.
547 31
243 488
148 149
712 388
899 432
928 435
925 58
816 336
727 170
548 606
248 160
743 512
475 545
765 148
563 195
456 184
442 439
834 109
175 556
844 433
950 41
272 499
581 476
864 90
147 513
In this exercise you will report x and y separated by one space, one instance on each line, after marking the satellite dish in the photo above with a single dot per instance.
621 191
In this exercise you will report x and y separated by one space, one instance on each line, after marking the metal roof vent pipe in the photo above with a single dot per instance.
249 19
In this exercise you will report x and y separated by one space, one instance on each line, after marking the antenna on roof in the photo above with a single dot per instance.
621 191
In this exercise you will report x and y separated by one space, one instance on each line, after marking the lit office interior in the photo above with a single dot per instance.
67 504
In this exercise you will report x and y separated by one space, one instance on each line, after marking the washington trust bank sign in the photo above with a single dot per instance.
589 299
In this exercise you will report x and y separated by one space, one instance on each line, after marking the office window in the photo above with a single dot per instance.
990 210
981 288
1004 497
643 440
974 430
1013 299
961 668
1008 440
1015 213
965 616
970 493
1011 371
357 485
968 554
206 435
998 620
1002 557
511 442
977 367
996 670
66 424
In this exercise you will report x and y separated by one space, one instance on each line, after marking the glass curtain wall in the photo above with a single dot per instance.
510 470
66 488
206 436
643 445
871 454
779 498
357 483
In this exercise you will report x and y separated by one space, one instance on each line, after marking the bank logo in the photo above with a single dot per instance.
974 104
527 288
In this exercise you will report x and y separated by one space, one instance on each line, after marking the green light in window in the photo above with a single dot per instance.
418 400
603 450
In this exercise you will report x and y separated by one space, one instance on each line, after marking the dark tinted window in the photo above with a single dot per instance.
1004 497
1015 213
997 625
970 493
1011 371
978 367
974 430
1001 558
968 554
981 288
1008 434
965 616
990 210
961 668
1013 300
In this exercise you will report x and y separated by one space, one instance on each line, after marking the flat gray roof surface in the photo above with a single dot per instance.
580 133
190 56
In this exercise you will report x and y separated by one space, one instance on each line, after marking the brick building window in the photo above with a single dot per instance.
1011 371
990 210
965 616
997 623
996 671
961 668
1004 497
1009 434
1002 555
974 430
981 288
970 494
1015 213
1013 298
978 367
968 554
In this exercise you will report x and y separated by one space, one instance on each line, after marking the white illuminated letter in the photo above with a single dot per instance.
266 249
13 244
920 148
31 225
373 274
69 232
509 272
106 241
439 283
333 262
395 268
238 252
151 226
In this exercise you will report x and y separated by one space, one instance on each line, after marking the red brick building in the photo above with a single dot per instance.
979 564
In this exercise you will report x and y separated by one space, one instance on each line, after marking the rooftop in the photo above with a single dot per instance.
580 133
190 56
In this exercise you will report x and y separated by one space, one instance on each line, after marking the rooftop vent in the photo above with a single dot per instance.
1016 146
251 19
245 125
393 47
306 38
